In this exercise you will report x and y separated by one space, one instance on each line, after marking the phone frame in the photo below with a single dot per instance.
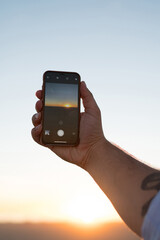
43 106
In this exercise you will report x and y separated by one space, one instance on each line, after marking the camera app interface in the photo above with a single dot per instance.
61 113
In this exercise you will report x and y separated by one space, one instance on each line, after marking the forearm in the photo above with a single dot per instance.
120 176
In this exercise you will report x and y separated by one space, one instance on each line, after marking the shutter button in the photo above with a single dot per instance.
60 132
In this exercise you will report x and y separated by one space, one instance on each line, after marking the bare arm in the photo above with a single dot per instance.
129 184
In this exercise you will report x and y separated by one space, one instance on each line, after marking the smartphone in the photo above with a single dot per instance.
61 108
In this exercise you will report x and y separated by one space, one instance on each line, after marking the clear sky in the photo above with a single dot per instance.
115 46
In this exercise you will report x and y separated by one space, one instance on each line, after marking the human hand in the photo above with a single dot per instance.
91 133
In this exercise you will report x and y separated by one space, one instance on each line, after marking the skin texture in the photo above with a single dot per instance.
128 183
89 135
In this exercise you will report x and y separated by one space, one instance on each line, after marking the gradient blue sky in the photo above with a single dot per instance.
115 47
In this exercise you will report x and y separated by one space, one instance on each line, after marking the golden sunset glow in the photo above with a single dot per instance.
67 105
62 104
88 209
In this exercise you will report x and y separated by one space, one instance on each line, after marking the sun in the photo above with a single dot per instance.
86 209
67 105
78 211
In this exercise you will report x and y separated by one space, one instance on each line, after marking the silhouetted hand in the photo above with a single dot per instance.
91 133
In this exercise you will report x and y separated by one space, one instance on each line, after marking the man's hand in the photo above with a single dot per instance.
91 133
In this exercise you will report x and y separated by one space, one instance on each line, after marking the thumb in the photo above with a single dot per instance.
89 102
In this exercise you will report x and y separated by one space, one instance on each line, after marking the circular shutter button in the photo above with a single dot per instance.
60 132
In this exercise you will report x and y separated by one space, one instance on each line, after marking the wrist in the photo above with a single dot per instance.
96 154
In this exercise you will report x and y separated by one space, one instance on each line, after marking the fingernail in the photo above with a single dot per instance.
36 116
37 128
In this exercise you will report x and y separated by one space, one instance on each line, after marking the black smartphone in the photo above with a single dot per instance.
61 108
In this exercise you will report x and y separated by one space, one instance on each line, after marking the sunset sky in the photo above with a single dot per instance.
61 95
115 47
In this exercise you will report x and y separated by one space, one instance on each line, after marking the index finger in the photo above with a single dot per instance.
39 94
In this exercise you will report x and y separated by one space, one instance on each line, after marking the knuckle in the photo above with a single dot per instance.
91 95
98 111
36 119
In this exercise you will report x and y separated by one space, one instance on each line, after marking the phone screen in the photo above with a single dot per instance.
61 109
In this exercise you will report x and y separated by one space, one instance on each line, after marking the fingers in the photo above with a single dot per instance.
39 106
36 133
36 119
39 94
39 102
89 102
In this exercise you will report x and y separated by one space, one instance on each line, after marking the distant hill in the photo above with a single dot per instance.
65 231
